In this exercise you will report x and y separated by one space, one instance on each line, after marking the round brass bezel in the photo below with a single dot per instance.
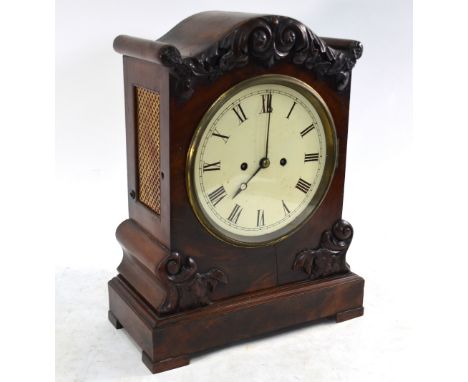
329 167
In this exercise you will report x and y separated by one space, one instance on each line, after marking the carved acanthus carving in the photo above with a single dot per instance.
181 276
330 257
266 40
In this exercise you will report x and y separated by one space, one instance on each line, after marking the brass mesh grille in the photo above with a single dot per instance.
149 165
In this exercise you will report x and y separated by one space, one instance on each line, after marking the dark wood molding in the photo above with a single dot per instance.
265 40
170 341
181 276
330 257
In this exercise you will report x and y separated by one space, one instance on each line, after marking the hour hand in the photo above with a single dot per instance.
243 186
264 163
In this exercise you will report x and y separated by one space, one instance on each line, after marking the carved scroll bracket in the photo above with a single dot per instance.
264 40
181 277
330 257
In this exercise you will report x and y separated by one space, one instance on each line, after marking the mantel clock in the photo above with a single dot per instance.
236 128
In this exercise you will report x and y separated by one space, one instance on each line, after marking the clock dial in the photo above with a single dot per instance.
261 160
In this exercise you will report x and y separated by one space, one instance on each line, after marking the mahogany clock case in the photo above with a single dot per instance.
180 290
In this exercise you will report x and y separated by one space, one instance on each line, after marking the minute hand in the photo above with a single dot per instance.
269 110
268 135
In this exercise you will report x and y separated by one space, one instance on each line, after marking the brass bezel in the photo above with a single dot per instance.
329 167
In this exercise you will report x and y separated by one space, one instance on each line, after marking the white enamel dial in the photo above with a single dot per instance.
261 160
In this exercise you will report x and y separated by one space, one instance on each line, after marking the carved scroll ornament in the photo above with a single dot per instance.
182 277
265 40
330 257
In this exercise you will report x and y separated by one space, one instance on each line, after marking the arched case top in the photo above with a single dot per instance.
210 44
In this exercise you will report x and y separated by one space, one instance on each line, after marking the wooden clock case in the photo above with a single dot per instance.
180 290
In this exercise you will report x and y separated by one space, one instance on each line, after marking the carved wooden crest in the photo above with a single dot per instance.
265 40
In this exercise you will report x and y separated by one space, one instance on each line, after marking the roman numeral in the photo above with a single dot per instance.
223 137
211 166
266 103
311 157
217 195
235 213
290 111
260 218
285 208
308 129
240 113
303 185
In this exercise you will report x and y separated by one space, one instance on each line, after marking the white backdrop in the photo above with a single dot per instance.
381 197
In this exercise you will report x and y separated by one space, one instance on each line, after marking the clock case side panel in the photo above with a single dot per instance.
145 236
152 77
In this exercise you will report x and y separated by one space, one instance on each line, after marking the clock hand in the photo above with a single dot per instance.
268 135
269 110
243 186
264 163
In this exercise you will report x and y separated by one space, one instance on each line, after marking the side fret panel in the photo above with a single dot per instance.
148 149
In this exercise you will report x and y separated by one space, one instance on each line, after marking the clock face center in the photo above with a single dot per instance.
270 122
264 163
